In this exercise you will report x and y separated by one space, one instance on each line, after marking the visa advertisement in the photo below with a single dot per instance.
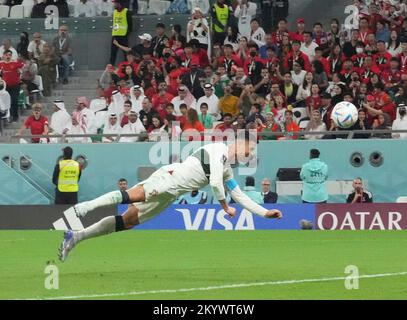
372 216
212 217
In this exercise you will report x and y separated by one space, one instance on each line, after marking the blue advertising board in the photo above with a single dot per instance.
212 217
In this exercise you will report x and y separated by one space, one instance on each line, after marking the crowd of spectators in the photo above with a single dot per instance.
231 74
28 70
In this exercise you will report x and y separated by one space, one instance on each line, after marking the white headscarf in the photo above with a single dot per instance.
116 106
132 128
136 102
111 129
189 100
60 118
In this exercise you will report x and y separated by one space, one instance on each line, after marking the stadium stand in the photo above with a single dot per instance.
260 73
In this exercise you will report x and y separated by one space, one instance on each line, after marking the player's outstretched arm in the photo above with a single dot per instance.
247 203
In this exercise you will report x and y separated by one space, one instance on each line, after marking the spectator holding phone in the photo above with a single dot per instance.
359 194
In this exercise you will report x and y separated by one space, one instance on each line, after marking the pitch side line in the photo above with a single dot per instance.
228 286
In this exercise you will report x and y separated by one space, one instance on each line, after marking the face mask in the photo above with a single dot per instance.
402 112
167 55
252 54
1 87
359 50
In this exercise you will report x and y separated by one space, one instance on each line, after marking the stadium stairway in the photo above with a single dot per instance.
81 83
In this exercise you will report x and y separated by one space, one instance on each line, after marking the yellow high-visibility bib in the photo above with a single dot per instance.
120 24
68 176
223 15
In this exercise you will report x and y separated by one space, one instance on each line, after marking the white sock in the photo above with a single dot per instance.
114 197
103 227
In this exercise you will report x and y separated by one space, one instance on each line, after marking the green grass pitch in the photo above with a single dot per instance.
140 262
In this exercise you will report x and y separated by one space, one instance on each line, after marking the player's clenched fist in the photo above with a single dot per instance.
231 211
273 214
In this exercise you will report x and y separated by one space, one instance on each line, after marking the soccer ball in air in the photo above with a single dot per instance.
344 114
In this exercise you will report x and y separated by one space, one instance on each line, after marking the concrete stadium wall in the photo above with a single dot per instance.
108 163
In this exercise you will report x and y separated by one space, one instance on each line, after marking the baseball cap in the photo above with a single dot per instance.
326 96
196 9
146 36
300 20
208 86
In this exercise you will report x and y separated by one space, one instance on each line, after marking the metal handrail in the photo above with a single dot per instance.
347 134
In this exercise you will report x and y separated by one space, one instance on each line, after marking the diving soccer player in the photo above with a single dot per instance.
210 164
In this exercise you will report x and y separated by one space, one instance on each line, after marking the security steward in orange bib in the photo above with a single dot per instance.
67 173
